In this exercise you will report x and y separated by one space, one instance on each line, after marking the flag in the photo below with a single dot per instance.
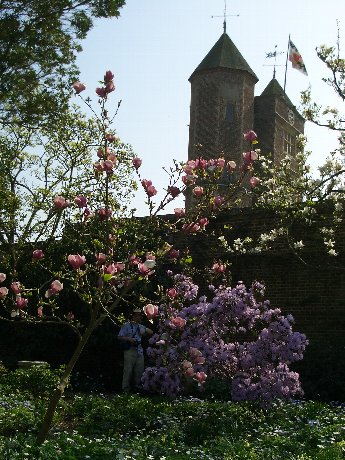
296 58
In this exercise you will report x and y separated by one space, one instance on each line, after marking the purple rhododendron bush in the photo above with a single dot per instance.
232 334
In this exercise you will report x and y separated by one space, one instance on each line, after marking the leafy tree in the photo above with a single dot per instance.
39 42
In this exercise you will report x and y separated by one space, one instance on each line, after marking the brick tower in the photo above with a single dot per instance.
222 103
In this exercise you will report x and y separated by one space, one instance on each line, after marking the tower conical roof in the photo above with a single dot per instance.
224 54
274 89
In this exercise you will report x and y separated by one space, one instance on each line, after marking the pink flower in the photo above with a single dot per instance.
110 137
109 87
151 311
55 287
249 157
189 372
194 352
101 258
189 179
231 166
198 191
101 92
173 253
199 360
179 212
2 277
191 228
218 268
15 287
134 259
37 254
103 213
137 162
178 322
174 191
254 181
76 261
200 377
40 312
203 222
250 136
108 165
70 316
80 201
218 201
108 76
188 169
60 202
186 364
78 87
148 187
144 270
3 293
112 269
220 162
172 293
21 302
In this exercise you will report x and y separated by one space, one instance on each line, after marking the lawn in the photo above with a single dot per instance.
108 426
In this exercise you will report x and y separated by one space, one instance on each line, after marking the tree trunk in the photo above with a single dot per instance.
59 390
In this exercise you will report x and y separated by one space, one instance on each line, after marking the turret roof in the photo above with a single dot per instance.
224 54
274 89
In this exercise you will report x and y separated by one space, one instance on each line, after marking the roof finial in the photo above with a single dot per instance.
274 54
225 16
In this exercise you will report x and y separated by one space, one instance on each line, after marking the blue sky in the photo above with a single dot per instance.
156 44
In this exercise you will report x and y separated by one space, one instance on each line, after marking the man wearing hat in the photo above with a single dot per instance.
130 337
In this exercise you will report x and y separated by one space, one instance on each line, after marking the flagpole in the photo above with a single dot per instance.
286 63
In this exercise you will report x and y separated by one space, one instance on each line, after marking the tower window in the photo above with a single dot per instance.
229 112
289 143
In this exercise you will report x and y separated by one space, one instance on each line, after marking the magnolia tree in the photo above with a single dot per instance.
232 334
115 259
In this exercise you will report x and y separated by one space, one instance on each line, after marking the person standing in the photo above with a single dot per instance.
130 336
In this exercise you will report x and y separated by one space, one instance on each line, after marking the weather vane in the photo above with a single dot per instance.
274 54
225 16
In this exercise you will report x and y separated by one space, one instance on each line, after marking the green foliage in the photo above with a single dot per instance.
107 427
39 42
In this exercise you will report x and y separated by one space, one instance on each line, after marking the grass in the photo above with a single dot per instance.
108 427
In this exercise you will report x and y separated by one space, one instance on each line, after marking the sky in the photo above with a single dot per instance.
155 45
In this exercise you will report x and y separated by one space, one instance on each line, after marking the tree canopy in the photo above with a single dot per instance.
39 42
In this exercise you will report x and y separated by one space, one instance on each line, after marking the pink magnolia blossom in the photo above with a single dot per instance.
188 169
108 76
218 267
101 92
2 277
151 311
201 163
40 312
199 360
3 292
110 137
137 162
37 254
220 162
80 201
203 222
55 287
218 201
254 181
76 261
198 191
148 187
78 87
109 87
179 212
189 179
189 372
250 136
104 213
108 165
174 191
200 377
101 258
144 270
231 166
134 260
112 157
70 316
172 293
186 364
178 322
117 267
249 157
21 302
60 202
194 352
191 227
15 287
